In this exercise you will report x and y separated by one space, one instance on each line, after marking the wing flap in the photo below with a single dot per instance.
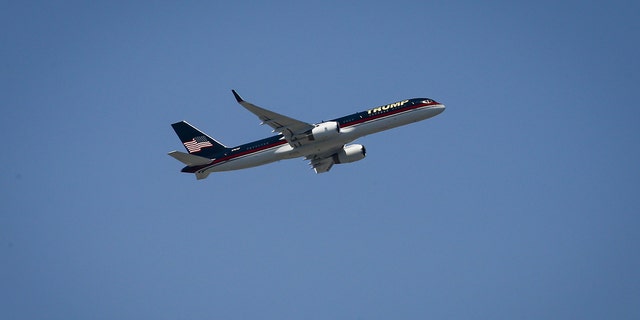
323 162
322 165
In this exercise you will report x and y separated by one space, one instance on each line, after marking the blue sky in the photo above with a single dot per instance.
520 201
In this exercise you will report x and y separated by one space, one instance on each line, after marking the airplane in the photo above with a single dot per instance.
323 144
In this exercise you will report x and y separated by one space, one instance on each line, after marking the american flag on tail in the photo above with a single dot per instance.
197 144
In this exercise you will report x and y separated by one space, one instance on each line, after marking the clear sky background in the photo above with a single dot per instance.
520 201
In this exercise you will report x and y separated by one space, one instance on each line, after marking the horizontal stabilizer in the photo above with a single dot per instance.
190 159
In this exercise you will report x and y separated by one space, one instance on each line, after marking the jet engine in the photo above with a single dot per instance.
350 153
324 131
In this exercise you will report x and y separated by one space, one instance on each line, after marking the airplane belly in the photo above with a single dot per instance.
253 159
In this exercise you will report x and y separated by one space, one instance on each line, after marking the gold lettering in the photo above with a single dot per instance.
387 107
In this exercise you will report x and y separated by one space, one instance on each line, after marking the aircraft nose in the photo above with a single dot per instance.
439 108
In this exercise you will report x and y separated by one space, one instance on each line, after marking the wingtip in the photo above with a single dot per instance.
235 94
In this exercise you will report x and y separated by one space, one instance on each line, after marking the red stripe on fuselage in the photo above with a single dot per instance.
236 155
282 142
386 114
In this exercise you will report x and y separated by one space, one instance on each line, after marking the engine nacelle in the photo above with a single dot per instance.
324 131
350 153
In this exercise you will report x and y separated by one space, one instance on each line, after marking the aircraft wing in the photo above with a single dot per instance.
321 165
323 162
287 126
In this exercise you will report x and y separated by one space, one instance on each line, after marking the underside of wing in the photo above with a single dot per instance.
287 126
322 165
323 162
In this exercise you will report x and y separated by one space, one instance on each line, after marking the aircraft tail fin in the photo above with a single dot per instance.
196 142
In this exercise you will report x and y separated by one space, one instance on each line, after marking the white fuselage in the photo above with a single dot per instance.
284 150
